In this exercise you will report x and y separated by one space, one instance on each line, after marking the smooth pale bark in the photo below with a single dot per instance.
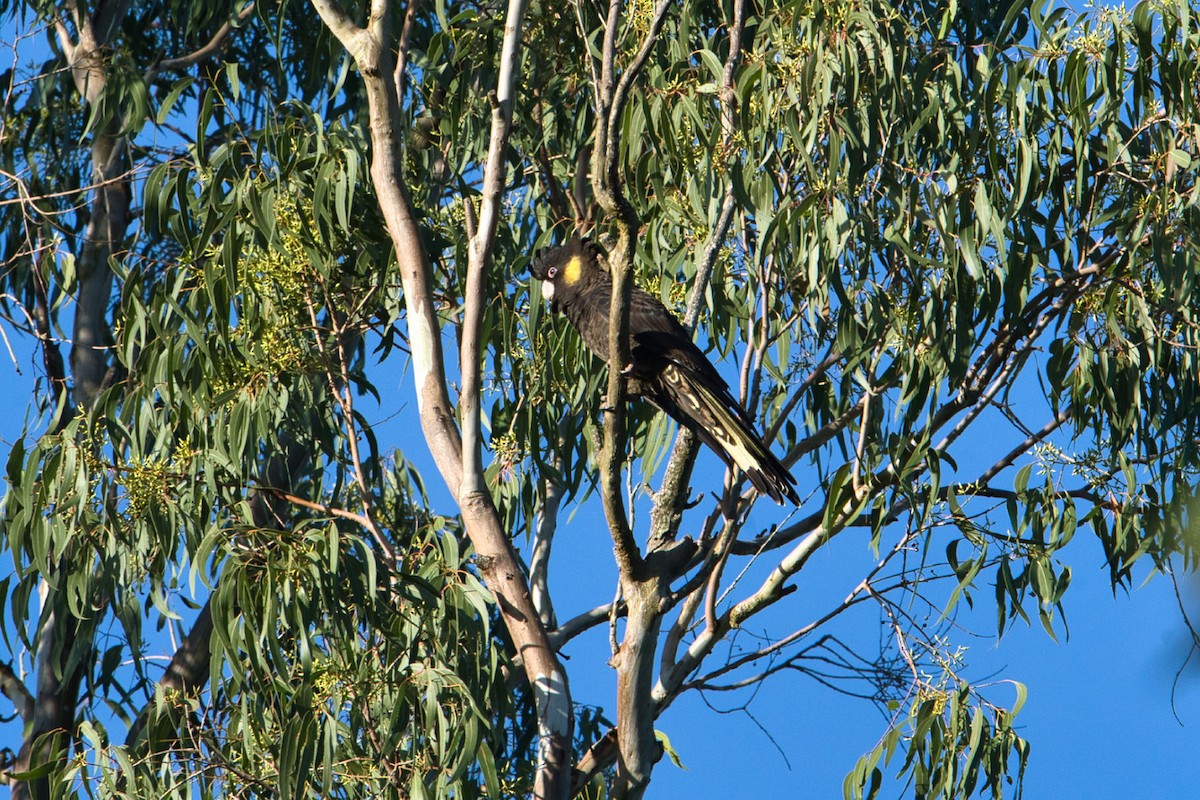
497 562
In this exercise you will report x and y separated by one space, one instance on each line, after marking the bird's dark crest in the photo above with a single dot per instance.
546 257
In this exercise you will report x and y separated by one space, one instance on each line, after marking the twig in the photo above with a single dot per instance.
324 508
401 72
211 47
342 393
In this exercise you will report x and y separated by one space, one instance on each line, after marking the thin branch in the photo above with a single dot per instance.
401 72
1030 441
69 47
663 693
833 357
827 431
717 558
539 561
210 48
598 757
475 301
342 393
610 100
584 622
332 511
773 589
682 624
24 198
14 689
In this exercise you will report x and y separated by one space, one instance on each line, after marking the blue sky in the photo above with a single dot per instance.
1100 712
1103 714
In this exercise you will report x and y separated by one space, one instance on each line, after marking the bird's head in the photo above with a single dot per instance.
564 270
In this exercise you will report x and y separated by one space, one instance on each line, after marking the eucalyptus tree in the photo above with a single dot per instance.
945 256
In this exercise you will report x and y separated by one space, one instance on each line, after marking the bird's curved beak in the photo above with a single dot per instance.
538 269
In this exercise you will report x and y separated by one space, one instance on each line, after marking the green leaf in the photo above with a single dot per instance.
665 741
167 106
235 83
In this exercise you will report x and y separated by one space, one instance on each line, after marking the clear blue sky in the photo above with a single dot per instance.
1100 715
1100 712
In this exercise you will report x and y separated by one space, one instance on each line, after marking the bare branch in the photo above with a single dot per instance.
475 301
340 25
682 624
332 511
584 622
64 40
857 595
401 73
14 689
598 757
1033 439
213 46
539 561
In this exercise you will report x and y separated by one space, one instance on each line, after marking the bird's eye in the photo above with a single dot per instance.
551 272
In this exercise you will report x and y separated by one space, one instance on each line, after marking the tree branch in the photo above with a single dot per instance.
539 561
14 689
475 301
340 25
495 558
401 73
210 48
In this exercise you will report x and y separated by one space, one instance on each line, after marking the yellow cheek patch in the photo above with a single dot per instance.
573 270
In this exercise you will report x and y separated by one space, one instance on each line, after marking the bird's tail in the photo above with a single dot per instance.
724 427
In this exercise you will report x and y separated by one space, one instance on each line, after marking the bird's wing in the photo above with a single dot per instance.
654 350
683 383
652 315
